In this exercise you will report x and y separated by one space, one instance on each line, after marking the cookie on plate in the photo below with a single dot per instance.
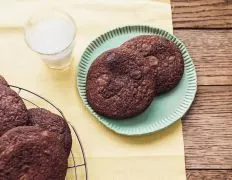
120 84
13 111
29 152
170 60
47 120
3 81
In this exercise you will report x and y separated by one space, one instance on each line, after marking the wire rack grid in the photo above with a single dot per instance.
73 161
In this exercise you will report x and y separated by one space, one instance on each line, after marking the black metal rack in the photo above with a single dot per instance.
75 165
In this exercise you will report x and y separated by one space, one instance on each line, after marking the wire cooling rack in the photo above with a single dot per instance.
77 167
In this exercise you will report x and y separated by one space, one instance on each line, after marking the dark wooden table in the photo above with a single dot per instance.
205 26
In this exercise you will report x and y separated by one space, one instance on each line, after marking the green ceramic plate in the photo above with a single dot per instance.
166 109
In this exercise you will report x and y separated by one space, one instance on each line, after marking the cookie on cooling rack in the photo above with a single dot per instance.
120 84
170 60
29 152
47 120
3 81
13 111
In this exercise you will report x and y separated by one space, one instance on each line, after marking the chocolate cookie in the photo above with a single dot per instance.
29 152
168 55
120 84
3 81
52 122
13 111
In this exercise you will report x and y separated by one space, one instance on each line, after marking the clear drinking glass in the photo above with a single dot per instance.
51 33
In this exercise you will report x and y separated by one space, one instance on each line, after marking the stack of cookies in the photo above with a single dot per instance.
34 144
122 82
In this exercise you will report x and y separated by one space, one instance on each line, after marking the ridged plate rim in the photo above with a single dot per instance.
190 71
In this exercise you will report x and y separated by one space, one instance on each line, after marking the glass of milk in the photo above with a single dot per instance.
51 33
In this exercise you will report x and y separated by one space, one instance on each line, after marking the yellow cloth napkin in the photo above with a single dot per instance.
109 156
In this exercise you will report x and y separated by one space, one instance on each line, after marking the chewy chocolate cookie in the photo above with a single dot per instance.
49 121
13 111
29 152
3 81
120 84
170 60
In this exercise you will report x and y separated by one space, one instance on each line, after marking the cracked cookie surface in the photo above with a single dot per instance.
13 111
29 152
170 60
49 121
120 84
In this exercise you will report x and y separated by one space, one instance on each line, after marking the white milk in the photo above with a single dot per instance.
54 40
